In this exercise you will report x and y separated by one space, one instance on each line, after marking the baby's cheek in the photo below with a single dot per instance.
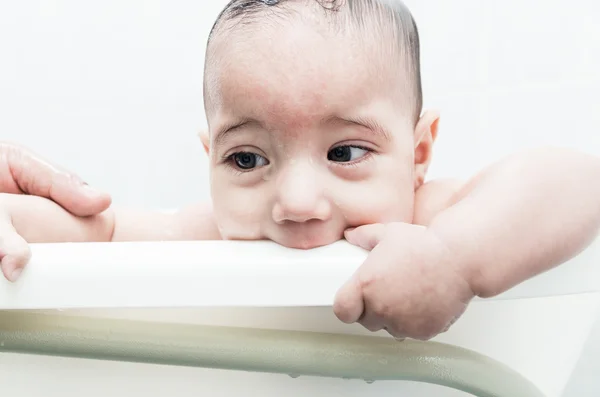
239 212
378 203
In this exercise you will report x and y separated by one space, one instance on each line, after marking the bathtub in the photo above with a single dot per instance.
253 318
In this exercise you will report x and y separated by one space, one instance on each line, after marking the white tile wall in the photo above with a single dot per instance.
542 42
451 45
113 90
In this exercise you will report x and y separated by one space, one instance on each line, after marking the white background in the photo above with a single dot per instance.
113 90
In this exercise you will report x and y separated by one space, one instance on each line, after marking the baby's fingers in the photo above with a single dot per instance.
14 250
348 305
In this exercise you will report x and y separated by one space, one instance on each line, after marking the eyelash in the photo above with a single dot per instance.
236 170
229 160
354 163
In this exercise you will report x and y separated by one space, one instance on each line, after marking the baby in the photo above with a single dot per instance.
316 133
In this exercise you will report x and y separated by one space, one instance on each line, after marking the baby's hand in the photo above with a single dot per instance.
409 285
25 218
14 250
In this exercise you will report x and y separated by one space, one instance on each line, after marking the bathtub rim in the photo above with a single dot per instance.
78 276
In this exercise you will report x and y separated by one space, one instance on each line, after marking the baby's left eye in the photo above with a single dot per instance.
344 154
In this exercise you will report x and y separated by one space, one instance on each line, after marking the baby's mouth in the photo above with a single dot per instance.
307 237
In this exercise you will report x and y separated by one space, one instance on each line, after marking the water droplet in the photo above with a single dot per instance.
2 344
294 376
369 381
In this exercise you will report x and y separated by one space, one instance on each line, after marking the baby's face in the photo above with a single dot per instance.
309 136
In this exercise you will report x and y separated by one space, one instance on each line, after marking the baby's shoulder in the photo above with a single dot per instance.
434 197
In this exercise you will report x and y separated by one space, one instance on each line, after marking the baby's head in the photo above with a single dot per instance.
314 114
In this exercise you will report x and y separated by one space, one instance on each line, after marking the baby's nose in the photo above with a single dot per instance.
300 197
300 212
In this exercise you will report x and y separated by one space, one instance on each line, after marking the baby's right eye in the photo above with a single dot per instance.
246 161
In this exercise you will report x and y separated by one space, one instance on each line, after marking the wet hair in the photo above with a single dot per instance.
387 24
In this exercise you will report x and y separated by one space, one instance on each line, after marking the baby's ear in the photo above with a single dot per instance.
204 138
426 132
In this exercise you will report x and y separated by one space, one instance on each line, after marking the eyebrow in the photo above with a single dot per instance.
368 122
230 128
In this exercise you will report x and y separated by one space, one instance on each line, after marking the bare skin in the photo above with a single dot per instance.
307 150
25 172
479 238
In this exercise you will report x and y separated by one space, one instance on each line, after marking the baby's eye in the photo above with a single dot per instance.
344 154
247 160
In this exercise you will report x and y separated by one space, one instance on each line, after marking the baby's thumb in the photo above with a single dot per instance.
366 237
14 251
349 305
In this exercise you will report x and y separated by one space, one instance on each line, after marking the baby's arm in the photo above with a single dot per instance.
31 219
194 222
518 218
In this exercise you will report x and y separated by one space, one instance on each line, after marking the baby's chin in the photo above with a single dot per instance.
305 243
306 239
298 238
